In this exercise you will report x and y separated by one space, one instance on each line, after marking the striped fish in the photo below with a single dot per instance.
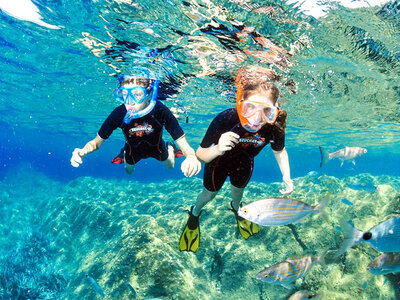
384 237
288 271
385 264
279 211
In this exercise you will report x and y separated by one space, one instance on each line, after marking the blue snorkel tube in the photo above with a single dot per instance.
130 115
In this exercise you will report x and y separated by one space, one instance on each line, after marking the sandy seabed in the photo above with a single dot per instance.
54 234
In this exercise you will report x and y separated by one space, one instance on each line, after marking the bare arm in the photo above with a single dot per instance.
93 145
227 141
283 161
185 147
206 155
191 165
90 146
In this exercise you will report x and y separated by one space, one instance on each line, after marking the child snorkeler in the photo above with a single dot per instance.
230 144
142 119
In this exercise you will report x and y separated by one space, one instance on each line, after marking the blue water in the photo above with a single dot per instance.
340 87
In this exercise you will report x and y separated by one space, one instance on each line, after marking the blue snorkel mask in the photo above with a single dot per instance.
137 94
133 95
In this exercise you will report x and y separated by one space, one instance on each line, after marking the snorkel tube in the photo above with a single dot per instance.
239 97
130 115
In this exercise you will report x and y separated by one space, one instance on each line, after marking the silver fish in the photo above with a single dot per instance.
288 271
95 285
384 237
303 295
385 264
347 153
279 211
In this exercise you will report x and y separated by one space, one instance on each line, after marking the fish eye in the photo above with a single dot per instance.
367 236
245 210
266 275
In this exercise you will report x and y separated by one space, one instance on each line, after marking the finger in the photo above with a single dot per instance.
191 173
286 192
184 168
193 166
198 168
234 135
74 163
189 170
77 159
230 145
226 148
234 140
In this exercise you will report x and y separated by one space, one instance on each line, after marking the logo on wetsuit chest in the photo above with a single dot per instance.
141 129
255 140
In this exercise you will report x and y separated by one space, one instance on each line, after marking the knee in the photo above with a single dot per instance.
208 196
169 162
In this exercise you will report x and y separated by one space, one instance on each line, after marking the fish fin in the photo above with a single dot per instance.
287 285
320 208
324 156
354 162
341 164
352 236
294 257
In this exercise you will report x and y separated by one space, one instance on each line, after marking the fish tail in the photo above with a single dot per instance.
352 236
324 156
321 259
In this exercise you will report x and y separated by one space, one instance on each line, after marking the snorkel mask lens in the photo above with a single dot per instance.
268 113
135 94
248 110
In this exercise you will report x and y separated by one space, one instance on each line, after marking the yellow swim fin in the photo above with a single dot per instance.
190 237
246 228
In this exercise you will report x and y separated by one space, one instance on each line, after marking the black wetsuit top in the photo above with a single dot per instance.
238 162
143 135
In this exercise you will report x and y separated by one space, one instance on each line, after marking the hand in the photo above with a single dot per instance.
191 166
227 141
77 157
288 184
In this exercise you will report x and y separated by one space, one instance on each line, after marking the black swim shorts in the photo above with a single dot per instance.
144 150
239 169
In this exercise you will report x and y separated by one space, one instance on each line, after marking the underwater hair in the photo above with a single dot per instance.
256 79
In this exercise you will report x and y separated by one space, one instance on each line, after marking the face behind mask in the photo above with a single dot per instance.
255 111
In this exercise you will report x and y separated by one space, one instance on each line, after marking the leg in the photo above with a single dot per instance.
239 179
190 237
129 168
237 194
170 161
202 199
129 161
